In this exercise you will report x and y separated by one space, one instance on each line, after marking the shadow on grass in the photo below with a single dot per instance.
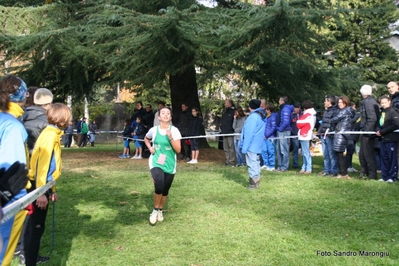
95 210
238 175
339 214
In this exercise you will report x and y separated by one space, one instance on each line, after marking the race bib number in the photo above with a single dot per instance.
161 159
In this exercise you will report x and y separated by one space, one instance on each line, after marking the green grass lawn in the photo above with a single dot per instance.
212 219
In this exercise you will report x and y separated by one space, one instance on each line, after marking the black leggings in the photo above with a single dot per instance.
342 167
33 234
162 181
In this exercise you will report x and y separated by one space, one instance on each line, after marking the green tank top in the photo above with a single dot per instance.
164 156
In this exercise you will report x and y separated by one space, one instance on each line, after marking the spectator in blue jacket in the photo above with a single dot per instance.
252 141
269 149
283 133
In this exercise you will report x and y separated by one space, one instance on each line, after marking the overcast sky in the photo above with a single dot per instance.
206 2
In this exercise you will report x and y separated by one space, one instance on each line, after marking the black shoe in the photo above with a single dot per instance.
42 259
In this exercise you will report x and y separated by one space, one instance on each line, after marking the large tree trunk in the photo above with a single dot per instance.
183 89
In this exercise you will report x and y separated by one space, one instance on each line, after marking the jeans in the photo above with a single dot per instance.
283 150
239 155
253 164
330 157
295 148
269 153
92 137
68 140
307 159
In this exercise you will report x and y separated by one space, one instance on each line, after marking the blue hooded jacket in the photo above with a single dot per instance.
252 132
284 117
271 126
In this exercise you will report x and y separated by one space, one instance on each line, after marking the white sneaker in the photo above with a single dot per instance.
390 181
270 169
264 167
153 217
381 180
139 158
134 157
160 216
352 170
193 161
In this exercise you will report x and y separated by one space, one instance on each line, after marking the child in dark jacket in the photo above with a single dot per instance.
194 130
138 135
388 123
127 133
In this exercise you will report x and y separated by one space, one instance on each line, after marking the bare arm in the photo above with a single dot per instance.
175 143
147 142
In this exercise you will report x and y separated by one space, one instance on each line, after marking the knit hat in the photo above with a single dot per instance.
20 94
43 96
254 104
296 104
366 90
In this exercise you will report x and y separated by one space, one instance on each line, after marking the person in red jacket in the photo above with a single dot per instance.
305 125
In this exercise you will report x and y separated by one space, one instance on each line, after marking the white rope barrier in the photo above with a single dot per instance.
285 137
12 209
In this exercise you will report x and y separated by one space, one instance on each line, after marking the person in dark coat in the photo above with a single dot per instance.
342 122
138 134
127 134
330 167
68 135
194 129
389 122
92 132
296 114
138 111
227 128
148 118
351 140
34 118
393 89
369 116
183 125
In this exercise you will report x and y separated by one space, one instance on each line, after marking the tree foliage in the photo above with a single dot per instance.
76 47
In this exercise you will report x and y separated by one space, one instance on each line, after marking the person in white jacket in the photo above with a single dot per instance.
306 124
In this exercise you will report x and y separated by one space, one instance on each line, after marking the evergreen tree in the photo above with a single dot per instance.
359 33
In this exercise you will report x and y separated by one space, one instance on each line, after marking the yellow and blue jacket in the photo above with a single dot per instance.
45 163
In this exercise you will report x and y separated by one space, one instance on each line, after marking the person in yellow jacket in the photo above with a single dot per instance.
45 166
